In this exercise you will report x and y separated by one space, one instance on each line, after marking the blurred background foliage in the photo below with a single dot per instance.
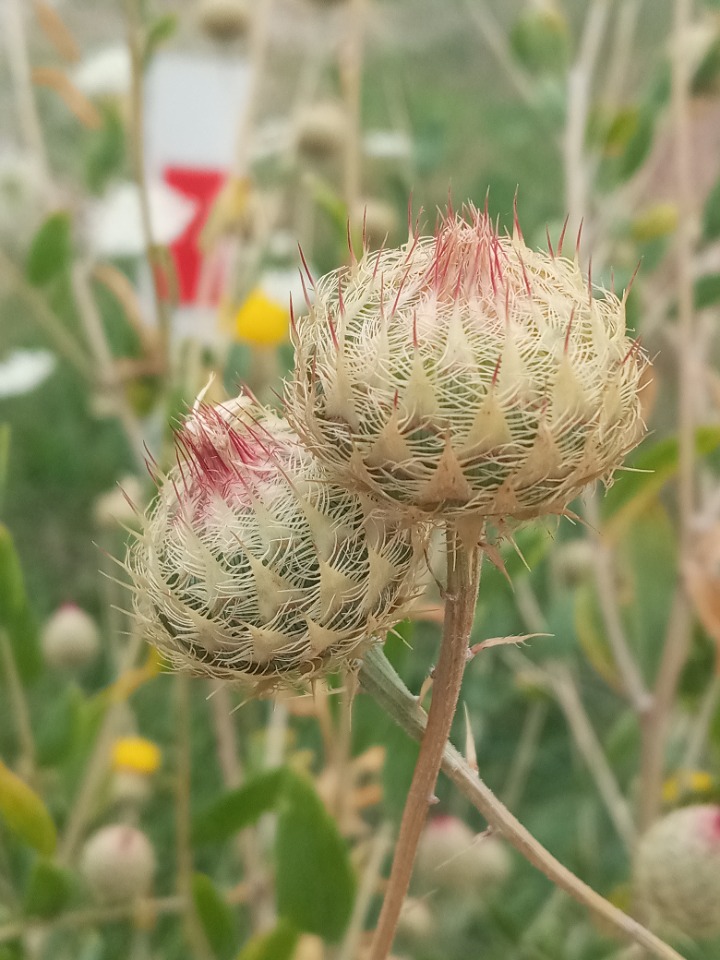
479 98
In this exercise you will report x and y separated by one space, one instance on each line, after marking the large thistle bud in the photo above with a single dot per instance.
677 871
251 565
466 373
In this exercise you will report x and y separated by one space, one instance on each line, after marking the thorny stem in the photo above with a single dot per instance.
385 686
677 640
463 579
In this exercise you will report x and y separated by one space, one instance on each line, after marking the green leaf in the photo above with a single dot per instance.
48 891
635 491
24 812
239 808
315 884
106 149
162 29
215 915
711 214
16 617
51 249
707 290
540 41
279 944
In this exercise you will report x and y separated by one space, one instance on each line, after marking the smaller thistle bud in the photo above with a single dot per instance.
416 920
118 864
454 859
573 561
677 871
379 221
321 130
115 509
465 376
223 20
253 566
70 639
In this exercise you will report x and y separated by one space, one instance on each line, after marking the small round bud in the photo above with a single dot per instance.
465 375
452 858
379 221
322 129
223 20
253 566
416 920
677 871
118 864
573 562
119 507
70 638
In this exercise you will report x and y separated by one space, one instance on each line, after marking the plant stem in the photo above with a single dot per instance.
385 686
463 578
19 706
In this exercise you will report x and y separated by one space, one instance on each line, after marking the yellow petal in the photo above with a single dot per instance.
136 754
262 321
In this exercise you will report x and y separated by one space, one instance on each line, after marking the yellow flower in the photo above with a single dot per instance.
684 783
136 754
261 320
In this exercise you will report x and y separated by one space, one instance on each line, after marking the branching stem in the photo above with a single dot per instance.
463 578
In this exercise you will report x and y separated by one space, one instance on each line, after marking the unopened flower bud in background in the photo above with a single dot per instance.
121 506
321 129
70 638
454 859
118 864
416 921
677 872
379 221
466 374
223 20
252 566
573 562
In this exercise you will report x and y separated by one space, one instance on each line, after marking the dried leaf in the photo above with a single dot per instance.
74 99
56 31
501 641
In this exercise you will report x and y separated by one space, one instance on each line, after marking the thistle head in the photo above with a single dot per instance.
465 373
677 871
253 566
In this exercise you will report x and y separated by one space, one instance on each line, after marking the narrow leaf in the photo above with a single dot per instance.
215 915
50 250
52 25
239 808
279 944
24 812
160 31
75 100
633 493
315 881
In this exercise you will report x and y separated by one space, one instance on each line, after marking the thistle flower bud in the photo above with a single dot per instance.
453 858
253 566
118 864
321 129
465 374
677 871
70 638
223 20
379 221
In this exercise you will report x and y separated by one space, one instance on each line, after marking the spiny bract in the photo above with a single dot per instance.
465 374
251 565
